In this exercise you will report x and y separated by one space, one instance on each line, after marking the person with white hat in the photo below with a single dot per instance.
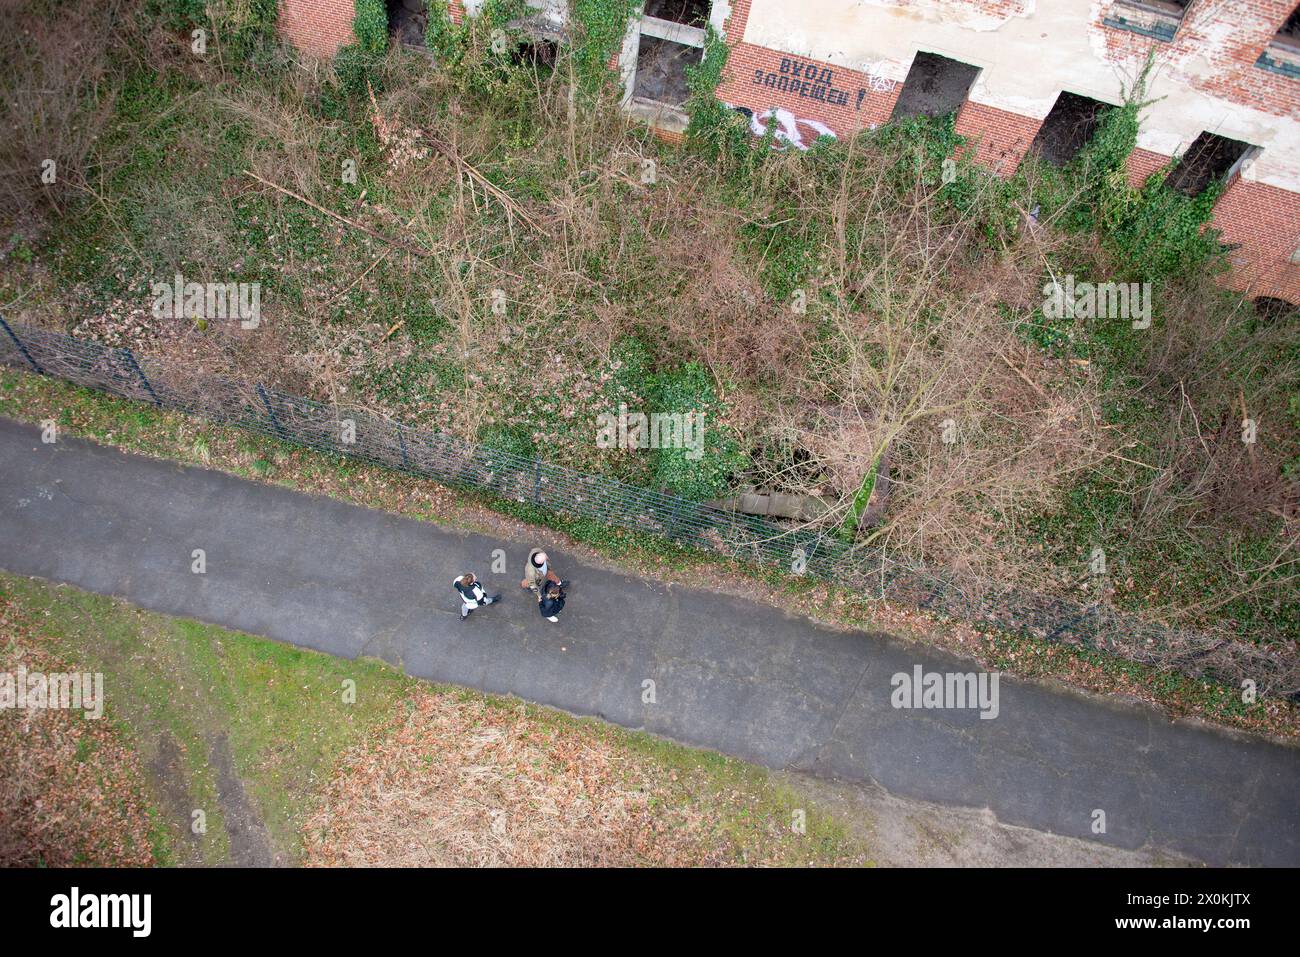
537 570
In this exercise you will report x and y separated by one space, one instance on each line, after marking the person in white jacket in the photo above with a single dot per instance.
471 593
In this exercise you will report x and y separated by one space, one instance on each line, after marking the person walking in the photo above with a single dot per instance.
537 570
550 600
471 593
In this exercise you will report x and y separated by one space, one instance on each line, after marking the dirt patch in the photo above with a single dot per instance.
250 842
168 779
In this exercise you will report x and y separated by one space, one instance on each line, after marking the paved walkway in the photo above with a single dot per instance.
738 677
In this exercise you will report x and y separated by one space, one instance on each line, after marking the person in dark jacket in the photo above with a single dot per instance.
550 600
471 594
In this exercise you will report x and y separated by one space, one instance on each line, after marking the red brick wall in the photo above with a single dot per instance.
319 27
845 100
1249 24
848 101
1142 163
1000 139
1265 220
754 78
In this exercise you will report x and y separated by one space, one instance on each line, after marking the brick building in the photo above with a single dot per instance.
1020 74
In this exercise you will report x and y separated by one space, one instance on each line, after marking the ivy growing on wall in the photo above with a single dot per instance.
1158 229
599 28
477 51
441 35
370 24
714 128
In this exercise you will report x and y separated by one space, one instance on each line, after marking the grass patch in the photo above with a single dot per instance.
176 689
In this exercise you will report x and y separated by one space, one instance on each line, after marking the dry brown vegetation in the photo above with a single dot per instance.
72 791
453 780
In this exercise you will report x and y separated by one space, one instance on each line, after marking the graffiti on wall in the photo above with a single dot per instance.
812 81
877 82
806 80
789 129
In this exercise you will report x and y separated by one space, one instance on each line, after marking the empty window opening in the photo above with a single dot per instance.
935 86
1158 19
1272 309
407 20
1289 35
1208 160
1068 128
1282 55
661 70
1169 8
693 13
537 52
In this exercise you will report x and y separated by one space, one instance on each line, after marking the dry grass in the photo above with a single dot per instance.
453 780
71 791
461 783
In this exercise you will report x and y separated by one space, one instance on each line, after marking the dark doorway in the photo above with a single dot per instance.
1068 127
1208 160
1271 309
935 86
407 20
1289 35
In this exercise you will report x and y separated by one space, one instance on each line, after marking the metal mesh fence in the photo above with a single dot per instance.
358 434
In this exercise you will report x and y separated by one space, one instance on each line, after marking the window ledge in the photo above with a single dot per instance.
1278 58
1156 22
663 116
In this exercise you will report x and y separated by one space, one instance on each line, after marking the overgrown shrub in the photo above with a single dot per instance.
178 14
708 471
370 24
355 66
599 27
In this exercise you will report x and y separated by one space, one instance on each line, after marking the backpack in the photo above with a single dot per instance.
474 593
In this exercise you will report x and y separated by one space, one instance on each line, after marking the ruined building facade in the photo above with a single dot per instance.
1020 74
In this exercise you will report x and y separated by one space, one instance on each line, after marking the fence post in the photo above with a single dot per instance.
271 413
808 559
135 366
674 521
21 348
401 441
537 481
